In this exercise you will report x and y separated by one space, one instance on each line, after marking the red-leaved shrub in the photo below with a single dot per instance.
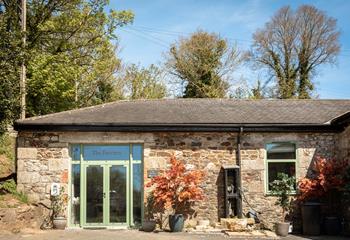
177 188
327 176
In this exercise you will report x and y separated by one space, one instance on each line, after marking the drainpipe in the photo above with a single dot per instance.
239 178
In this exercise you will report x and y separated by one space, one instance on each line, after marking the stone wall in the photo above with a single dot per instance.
344 144
253 153
344 154
43 159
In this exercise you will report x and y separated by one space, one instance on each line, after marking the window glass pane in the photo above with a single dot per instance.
281 151
137 152
137 184
98 152
275 168
75 194
75 152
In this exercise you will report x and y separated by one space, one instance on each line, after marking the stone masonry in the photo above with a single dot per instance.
344 144
43 158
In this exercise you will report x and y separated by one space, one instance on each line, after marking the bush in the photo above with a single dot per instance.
10 187
177 188
7 146
327 177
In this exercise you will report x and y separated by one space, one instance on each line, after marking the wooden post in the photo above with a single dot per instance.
22 84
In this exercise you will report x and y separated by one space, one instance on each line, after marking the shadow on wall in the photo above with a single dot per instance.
220 194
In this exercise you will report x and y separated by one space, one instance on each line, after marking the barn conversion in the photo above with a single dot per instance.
103 155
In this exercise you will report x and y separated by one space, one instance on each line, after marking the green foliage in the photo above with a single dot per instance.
59 203
10 187
143 83
204 62
70 55
257 91
10 58
22 197
282 187
7 146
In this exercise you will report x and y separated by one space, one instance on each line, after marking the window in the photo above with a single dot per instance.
280 158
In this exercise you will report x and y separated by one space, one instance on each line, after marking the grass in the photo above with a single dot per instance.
7 154
9 187
7 146
7 160
22 197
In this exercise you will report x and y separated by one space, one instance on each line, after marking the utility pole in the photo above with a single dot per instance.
22 83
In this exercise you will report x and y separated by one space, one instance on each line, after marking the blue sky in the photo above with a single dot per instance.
158 23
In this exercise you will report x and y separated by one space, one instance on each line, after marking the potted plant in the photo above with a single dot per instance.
323 186
59 203
177 189
282 187
149 223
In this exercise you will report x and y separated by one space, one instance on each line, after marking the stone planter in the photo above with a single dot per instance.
282 229
148 225
59 223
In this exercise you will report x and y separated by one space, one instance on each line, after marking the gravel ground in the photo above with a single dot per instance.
130 235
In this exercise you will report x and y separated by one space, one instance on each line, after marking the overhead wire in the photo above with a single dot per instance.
149 31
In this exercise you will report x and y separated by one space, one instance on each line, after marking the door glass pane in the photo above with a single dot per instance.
137 184
100 152
281 151
275 168
75 194
94 194
117 194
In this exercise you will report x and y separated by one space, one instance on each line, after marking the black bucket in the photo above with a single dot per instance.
311 216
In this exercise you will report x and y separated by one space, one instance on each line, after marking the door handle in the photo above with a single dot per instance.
104 195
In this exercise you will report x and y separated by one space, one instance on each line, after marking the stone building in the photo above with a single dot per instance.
103 155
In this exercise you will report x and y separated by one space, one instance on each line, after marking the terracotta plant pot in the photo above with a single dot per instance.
148 225
59 222
176 222
282 229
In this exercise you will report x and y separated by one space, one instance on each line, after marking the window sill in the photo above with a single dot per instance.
269 194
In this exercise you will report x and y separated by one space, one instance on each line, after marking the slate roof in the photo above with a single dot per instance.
197 112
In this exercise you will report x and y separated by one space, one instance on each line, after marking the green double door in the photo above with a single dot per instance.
105 196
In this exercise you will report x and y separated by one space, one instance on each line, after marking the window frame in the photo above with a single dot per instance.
267 161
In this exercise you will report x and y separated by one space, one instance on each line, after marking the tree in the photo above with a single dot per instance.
177 188
257 91
204 62
10 60
143 83
292 45
69 53
282 187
